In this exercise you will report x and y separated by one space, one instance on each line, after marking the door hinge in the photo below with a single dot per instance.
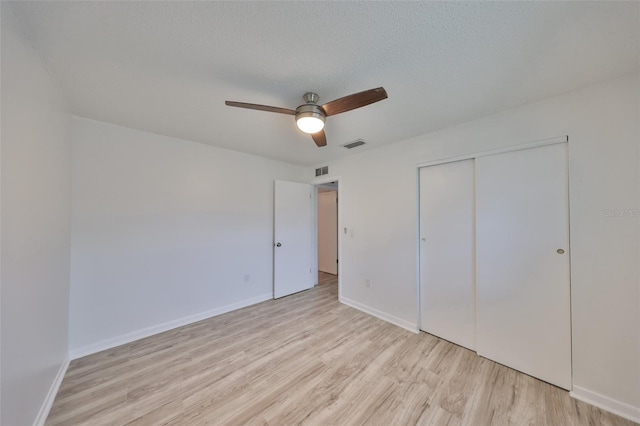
337 260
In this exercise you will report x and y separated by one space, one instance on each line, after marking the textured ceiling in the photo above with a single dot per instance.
168 67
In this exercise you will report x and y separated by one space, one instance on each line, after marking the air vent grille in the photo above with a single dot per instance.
321 171
353 144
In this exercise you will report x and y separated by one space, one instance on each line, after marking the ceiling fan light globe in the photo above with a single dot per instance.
309 123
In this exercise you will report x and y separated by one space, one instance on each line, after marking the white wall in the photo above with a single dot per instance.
36 216
164 231
602 124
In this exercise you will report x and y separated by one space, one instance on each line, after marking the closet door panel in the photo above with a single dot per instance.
522 262
447 297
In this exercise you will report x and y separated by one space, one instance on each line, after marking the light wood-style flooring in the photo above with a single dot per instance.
306 359
325 278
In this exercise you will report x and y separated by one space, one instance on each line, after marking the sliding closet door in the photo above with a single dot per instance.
522 262
447 299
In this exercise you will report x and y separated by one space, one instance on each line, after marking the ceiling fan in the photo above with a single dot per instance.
310 116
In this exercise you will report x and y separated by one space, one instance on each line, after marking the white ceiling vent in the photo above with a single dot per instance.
353 144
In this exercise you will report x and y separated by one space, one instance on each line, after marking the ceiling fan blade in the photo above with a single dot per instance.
319 138
354 101
261 107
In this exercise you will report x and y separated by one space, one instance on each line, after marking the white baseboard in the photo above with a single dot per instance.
160 328
382 315
51 395
616 407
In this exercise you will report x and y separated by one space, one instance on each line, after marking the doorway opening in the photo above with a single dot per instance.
327 234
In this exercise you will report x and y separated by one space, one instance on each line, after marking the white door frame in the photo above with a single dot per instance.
316 183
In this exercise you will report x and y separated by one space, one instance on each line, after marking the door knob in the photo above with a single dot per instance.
278 244
560 251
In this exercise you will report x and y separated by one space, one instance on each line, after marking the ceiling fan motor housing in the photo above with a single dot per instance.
310 110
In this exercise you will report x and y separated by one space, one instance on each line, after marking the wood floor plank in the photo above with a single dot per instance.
306 359
160 415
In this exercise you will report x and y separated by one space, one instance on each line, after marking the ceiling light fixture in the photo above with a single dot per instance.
310 122
310 117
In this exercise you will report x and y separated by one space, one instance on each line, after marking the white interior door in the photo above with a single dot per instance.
293 231
522 262
447 256
328 232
